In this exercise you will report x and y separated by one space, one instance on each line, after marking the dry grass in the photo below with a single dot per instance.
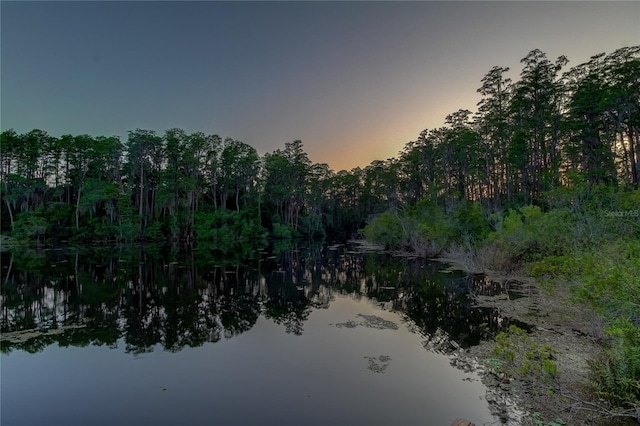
496 259
425 248
465 258
490 259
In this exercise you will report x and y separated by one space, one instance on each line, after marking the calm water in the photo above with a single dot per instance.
315 335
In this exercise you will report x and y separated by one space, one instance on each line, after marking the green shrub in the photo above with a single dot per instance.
386 229
428 225
30 225
281 231
465 223
517 355
563 266
154 231
470 221
529 234
226 229
608 278
616 372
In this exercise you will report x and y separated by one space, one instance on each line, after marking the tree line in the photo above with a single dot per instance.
552 128
171 186
547 130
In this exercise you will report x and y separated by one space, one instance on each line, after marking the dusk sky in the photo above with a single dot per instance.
355 81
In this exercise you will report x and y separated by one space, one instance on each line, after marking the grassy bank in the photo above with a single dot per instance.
584 243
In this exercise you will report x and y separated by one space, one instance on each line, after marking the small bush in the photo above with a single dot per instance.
386 229
616 372
529 234
470 222
465 223
30 225
519 356
154 232
555 267
282 231
226 229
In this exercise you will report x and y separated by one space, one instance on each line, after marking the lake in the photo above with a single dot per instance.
294 335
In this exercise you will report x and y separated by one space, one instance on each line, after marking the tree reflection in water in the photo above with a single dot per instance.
176 298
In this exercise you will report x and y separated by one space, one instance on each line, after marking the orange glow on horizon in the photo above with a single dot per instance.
359 149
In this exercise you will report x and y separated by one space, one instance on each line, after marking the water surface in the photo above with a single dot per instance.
313 335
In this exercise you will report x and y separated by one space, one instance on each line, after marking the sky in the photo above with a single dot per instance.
355 81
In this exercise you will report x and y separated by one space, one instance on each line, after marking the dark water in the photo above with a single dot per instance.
297 335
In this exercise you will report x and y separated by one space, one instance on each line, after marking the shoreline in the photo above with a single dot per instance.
574 332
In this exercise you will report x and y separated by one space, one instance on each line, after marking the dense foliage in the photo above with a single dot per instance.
551 129
175 186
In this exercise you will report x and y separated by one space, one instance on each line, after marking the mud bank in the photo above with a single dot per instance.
575 334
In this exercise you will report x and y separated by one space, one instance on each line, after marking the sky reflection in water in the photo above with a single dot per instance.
308 353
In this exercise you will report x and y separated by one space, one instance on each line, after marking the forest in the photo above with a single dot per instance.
549 131
543 176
